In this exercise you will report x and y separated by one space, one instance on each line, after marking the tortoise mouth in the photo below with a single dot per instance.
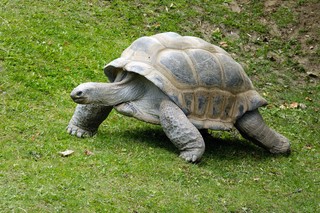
79 100
78 97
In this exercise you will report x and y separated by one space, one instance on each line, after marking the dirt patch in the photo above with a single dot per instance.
309 23
304 29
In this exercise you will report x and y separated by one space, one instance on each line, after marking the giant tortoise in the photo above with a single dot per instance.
183 83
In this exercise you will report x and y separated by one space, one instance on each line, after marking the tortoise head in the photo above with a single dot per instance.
109 94
87 93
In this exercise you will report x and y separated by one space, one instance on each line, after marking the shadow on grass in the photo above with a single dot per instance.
153 137
228 148
233 149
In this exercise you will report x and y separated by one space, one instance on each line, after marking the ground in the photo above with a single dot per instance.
49 47
305 29
303 25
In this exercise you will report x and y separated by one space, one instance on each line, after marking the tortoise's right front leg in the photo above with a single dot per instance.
87 118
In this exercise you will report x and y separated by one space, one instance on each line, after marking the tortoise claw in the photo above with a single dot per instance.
79 132
192 156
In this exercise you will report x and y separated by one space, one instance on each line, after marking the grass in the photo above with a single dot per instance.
49 47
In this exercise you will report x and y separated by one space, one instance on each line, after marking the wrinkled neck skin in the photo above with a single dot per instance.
109 94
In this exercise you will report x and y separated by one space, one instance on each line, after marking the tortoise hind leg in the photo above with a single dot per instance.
252 127
182 133
86 119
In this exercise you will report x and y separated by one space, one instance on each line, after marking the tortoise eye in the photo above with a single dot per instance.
79 93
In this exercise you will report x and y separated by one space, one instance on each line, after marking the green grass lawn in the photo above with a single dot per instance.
49 47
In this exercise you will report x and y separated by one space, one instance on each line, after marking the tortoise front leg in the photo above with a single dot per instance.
87 118
182 133
252 127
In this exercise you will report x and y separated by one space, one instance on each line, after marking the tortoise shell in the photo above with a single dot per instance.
202 79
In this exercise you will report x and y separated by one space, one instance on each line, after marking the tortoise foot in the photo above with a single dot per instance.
192 156
282 146
80 132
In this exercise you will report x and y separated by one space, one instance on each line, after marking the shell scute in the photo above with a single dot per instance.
207 67
189 102
176 64
235 79
216 106
202 101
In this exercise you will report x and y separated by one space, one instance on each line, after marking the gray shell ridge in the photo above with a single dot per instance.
202 79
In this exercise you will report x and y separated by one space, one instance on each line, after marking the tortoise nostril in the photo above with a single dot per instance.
79 93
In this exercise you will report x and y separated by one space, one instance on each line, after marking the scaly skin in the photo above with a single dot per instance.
252 127
182 133
86 119
96 100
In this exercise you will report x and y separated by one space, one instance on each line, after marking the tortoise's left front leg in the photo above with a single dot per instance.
87 119
252 127
182 133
